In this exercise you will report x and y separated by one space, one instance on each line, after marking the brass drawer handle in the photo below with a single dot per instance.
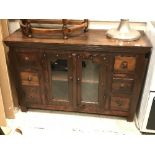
78 79
122 85
124 65
29 78
44 55
74 54
26 58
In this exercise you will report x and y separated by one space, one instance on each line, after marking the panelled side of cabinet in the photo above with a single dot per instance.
27 64
88 73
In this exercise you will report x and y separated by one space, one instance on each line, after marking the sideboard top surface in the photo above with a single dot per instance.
90 38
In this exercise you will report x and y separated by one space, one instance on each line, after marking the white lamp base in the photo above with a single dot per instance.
123 32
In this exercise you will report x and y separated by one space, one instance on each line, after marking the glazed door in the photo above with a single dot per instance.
59 80
91 82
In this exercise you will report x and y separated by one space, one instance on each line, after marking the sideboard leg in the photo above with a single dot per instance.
24 109
130 118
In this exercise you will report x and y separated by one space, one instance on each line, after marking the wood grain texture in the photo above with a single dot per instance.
119 85
85 41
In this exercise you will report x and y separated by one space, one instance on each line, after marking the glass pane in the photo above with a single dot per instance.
60 79
90 80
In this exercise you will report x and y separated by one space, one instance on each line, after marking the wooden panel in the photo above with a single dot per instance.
31 95
122 85
125 64
138 87
28 78
120 103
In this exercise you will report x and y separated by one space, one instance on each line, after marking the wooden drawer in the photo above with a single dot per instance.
31 95
29 78
124 64
122 85
30 59
120 103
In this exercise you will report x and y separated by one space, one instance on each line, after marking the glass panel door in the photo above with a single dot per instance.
89 82
89 79
59 79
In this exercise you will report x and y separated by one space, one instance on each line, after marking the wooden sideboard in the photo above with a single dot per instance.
87 73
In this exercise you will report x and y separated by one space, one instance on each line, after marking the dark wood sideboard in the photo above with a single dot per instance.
87 73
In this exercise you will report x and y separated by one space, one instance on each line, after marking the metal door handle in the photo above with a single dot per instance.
122 85
26 58
78 79
44 55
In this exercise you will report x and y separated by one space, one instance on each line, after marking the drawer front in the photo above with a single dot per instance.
29 59
29 78
120 103
122 85
31 95
124 64
123 76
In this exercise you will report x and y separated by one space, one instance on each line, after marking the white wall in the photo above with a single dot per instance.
113 10
104 10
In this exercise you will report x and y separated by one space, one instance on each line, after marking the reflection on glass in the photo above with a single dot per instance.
60 79
90 80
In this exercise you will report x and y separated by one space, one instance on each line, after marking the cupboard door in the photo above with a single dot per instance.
59 80
91 82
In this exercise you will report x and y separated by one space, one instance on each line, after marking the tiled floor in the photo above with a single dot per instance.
37 122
